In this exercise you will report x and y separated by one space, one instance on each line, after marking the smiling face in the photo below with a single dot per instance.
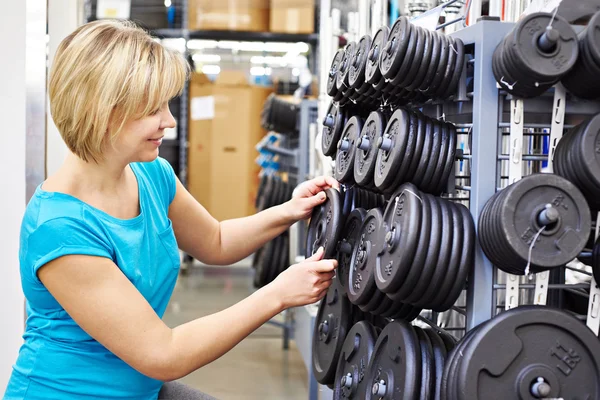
109 90
139 139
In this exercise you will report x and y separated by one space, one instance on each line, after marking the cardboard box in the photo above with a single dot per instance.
223 144
230 15
292 16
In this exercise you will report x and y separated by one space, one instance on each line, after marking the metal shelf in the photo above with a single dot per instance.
312 38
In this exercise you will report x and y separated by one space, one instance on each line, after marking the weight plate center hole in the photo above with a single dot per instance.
548 217
547 42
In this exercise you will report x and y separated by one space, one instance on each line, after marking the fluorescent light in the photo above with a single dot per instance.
257 71
270 60
167 3
268 71
175 44
211 69
296 72
208 58
196 44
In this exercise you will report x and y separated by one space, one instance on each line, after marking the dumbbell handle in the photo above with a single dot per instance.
548 40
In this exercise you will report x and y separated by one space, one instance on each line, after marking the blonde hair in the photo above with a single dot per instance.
105 74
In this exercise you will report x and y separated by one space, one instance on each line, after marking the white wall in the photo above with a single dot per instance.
64 16
12 167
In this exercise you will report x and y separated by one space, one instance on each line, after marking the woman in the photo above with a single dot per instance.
99 241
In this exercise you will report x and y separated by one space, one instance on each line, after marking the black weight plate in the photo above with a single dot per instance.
416 64
361 280
588 146
412 39
438 166
256 257
389 161
348 199
266 199
441 65
453 264
449 164
449 341
274 262
393 54
358 63
436 282
372 72
401 223
467 258
350 377
332 89
530 59
331 134
418 148
596 260
284 261
439 358
366 153
447 391
342 74
428 139
458 69
536 342
379 304
433 64
331 325
420 256
428 177
518 222
409 154
394 371
264 264
344 159
325 224
411 316
592 37
435 240
348 237
422 69
450 67
506 258
427 365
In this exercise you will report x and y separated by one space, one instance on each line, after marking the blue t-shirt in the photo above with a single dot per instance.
59 360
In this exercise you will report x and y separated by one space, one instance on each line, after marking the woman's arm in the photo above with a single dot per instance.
109 308
207 240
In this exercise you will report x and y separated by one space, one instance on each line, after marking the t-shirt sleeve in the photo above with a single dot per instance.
60 237
169 177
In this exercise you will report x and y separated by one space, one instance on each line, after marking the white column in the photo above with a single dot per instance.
12 165
64 16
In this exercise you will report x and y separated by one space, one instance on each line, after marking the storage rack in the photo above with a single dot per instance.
483 118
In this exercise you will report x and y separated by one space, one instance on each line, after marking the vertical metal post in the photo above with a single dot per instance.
485 36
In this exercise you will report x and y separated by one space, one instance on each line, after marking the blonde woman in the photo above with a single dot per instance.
99 241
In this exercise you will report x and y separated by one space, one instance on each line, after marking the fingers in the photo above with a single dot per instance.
317 256
326 276
325 266
316 185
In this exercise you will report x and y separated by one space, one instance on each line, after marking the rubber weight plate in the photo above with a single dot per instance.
366 152
344 159
401 228
458 69
422 69
394 371
427 365
361 286
415 64
264 264
392 146
332 89
358 63
523 207
331 325
372 72
348 236
333 124
342 73
392 56
325 224
439 358
546 352
350 382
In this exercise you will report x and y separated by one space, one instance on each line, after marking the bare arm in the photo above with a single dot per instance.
227 242
109 308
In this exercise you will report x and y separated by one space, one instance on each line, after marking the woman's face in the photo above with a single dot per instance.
140 139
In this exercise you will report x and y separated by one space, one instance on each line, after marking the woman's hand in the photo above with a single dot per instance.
308 195
306 282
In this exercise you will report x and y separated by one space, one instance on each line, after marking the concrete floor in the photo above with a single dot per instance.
258 368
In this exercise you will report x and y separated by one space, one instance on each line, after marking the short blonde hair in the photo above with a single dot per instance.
105 74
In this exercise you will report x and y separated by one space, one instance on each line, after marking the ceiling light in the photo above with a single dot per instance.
211 69
209 58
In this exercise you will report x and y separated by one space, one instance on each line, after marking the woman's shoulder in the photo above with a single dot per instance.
160 176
